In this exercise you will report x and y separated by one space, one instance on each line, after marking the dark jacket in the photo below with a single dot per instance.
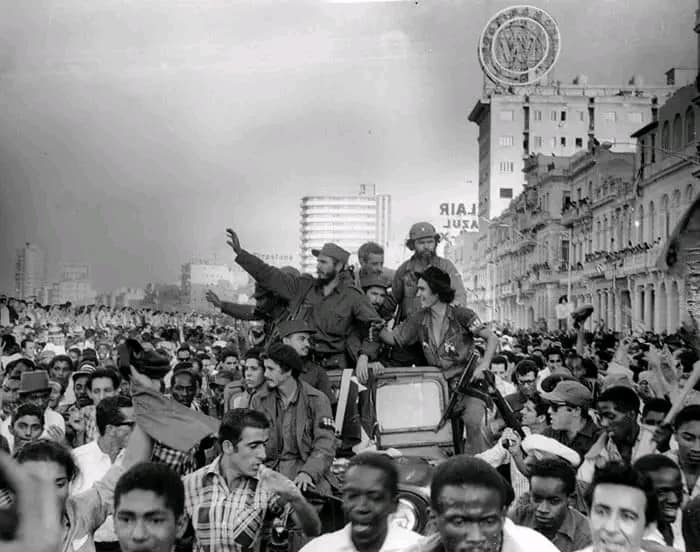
315 434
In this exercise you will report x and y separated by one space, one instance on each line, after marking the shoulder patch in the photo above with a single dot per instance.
327 423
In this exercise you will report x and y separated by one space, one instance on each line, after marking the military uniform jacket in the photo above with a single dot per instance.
315 432
333 317
405 284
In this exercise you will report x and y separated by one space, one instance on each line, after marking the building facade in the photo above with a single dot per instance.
198 277
30 271
588 229
555 119
348 221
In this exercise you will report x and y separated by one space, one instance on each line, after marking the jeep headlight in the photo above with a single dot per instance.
406 515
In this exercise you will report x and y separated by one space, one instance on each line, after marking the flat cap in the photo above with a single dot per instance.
332 250
374 280
569 392
289 327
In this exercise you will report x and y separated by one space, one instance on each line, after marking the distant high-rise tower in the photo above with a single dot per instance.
30 271
348 220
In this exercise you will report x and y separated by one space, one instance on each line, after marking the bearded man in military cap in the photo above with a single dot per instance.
330 303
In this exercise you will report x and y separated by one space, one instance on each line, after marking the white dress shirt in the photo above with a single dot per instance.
93 465
397 539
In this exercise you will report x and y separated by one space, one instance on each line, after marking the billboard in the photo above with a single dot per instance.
458 217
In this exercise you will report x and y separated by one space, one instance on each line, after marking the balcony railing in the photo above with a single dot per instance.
576 213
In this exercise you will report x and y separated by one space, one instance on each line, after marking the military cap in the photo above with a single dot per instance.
332 250
374 280
289 327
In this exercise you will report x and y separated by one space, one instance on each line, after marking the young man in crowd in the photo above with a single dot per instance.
552 483
526 383
687 456
623 508
101 383
302 436
654 411
26 425
569 419
184 385
253 379
115 420
668 483
470 499
370 496
228 499
499 368
149 509
622 437
297 334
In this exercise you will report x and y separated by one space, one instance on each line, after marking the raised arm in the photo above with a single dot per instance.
269 277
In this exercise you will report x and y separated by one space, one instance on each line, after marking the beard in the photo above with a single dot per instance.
425 256
327 277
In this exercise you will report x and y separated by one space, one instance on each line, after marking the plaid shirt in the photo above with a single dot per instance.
225 520
183 463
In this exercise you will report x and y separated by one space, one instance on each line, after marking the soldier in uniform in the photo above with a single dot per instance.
422 240
297 334
269 307
330 303
446 334
302 435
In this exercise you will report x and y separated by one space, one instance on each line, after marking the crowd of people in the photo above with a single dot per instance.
137 430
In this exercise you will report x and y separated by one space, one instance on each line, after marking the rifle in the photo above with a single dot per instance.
464 387
459 391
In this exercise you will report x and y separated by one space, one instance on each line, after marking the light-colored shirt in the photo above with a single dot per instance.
51 418
515 539
397 539
94 465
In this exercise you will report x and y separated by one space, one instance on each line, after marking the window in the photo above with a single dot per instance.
665 136
562 141
581 116
554 143
538 141
635 117
506 193
505 141
506 166
677 132
579 142
537 115
652 147
562 116
690 125
552 115
610 116
506 115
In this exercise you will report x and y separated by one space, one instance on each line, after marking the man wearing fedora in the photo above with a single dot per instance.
329 303
35 388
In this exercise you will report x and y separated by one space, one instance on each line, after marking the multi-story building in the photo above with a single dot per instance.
77 292
589 229
30 271
71 272
554 119
198 277
348 221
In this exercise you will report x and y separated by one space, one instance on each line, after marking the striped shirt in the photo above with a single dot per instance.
223 519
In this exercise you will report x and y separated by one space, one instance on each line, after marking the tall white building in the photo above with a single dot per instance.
30 271
348 220
198 277
555 119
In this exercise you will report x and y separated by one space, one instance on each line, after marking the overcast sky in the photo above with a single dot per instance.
133 132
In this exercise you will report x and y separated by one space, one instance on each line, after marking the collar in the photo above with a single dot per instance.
568 526
589 429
